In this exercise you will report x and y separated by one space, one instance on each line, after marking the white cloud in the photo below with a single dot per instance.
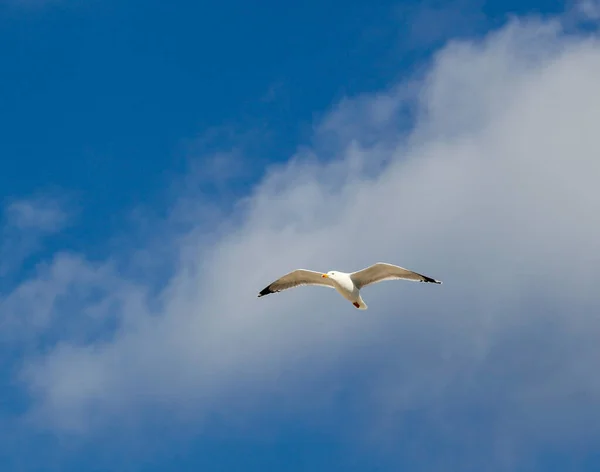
494 191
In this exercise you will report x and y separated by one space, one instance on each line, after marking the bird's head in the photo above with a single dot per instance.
330 275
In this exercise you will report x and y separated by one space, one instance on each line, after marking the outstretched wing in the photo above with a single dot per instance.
295 279
382 271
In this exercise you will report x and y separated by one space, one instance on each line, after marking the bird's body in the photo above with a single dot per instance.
344 284
347 284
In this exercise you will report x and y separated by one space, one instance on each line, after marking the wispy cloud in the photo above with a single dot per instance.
494 190
40 214
589 8
25 223
430 23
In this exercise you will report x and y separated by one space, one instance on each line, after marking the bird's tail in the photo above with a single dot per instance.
361 305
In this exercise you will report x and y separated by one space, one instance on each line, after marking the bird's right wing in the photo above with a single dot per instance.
295 279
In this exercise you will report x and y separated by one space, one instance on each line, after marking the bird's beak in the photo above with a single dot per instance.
325 276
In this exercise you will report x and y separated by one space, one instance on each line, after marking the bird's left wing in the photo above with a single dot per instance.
295 279
383 271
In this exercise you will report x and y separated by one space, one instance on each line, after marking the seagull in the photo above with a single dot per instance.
347 284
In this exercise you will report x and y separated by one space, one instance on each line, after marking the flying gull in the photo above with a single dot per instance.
347 284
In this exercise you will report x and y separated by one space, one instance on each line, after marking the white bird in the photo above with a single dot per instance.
347 284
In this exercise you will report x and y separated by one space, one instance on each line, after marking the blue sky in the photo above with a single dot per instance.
153 150
90 90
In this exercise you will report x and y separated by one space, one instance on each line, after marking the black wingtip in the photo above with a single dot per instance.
430 280
265 291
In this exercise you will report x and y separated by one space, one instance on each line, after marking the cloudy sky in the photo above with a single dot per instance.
164 161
